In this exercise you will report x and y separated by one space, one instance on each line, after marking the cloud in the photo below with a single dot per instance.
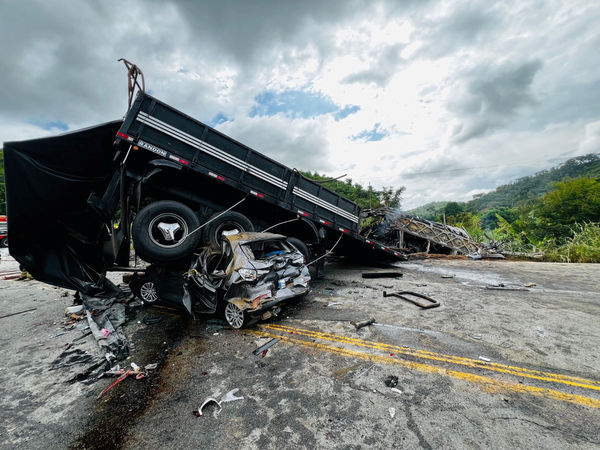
382 69
298 143
489 96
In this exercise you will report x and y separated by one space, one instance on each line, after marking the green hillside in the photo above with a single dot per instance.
530 187
521 191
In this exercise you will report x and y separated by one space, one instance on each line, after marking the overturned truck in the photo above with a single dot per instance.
169 185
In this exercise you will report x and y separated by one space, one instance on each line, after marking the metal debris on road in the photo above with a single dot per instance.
359 325
391 381
501 287
263 348
382 274
208 401
230 396
401 294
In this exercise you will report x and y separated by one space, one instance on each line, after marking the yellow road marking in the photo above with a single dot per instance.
468 362
490 384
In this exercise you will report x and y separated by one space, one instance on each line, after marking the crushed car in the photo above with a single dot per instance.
247 279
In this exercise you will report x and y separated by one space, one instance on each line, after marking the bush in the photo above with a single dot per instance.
582 247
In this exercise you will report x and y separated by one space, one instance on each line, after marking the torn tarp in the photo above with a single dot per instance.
54 233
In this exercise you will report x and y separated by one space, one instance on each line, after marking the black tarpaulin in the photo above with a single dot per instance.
54 233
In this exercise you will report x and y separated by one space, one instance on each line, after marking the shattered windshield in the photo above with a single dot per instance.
266 249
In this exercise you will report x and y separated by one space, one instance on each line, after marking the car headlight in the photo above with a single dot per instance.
247 274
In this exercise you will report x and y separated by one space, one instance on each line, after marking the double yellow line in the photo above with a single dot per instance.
490 384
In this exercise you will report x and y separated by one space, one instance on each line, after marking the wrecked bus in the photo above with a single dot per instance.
167 183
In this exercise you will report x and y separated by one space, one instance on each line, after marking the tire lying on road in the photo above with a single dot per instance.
229 221
161 232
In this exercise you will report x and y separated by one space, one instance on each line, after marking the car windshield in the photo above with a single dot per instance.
266 249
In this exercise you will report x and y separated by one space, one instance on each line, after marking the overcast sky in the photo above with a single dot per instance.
447 98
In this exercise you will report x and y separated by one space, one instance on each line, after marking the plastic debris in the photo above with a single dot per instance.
78 309
151 366
396 390
392 412
483 358
207 402
135 367
333 304
230 396
105 332
529 285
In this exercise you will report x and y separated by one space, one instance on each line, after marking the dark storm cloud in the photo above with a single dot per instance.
489 96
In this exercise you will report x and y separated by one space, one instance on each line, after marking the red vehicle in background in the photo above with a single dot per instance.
3 232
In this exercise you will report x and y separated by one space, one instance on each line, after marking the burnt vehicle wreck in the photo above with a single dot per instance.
248 279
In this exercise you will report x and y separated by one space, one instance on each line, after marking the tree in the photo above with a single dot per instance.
572 201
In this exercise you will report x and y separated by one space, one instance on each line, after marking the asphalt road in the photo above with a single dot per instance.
488 368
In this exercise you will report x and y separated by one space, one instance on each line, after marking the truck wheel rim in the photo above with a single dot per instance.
228 226
234 315
148 292
156 235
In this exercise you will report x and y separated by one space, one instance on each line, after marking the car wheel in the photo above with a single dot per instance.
4 242
161 232
234 316
302 248
229 221
145 288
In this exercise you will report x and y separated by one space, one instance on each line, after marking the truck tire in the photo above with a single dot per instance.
229 221
302 248
161 232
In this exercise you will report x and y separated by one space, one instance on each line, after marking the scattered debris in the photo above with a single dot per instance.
392 411
401 294
529 285
501 287
359 325
230 396
263 348
382 274
78 309
332 304
122 375
396 390
483 358
151 366
20 312
448 276
391 381
207 402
